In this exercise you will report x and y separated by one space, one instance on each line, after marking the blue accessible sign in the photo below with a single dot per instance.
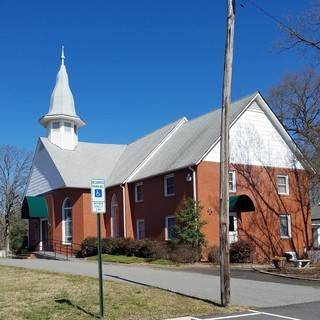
98 204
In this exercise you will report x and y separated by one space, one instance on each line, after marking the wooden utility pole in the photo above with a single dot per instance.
224 161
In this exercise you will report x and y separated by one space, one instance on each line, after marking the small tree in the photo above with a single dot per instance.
187 229
14 170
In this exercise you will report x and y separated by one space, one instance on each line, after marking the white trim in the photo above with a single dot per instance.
165 185
154 151
288 216
234 181
138 184
113 211
64 223
233 235
166 226
287 184
138 229
124 210
40 238
194 183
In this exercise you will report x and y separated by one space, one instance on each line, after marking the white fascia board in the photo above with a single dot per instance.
230 125
156 149
32 166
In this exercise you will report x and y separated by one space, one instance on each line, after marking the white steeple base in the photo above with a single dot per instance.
63 133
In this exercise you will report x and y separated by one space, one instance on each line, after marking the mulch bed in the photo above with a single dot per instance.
312 272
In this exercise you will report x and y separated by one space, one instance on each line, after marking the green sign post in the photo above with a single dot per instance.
98 206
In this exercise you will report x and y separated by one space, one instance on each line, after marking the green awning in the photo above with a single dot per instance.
34 207
240 203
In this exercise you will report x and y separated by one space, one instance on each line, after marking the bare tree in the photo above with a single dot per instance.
303 32
296 101
14 170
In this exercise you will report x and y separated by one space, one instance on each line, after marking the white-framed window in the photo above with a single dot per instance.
232 181
55 125
140 229
138 192
67 126
67 221
170 222
169 185
114 218
285 226
283 184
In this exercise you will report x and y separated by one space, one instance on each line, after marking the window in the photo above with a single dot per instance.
114 219
55 125
169 185
75 129
232 181
283 184
140 229
67 221
138 191
170 222
67 126
285 226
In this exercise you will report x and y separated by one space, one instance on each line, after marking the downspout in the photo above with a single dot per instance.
124 210
194 183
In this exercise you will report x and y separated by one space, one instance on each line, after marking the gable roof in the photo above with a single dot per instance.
200 133
89 160
175 146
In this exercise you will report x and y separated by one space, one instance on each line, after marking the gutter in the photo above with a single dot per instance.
194 183
123 187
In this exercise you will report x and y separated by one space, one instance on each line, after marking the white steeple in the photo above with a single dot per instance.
61 121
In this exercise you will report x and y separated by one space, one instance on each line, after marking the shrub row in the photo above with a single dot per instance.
240 252
148 249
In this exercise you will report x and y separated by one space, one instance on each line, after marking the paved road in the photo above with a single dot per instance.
248 292
305 311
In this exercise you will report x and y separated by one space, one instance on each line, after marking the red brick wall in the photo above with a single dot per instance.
262 226
155 206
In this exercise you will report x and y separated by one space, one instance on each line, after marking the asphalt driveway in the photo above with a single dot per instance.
247 290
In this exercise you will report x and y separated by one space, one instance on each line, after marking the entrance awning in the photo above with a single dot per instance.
34 207
240 203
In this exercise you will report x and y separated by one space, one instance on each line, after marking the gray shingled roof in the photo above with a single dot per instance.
115 163
87 161
137 151
193 139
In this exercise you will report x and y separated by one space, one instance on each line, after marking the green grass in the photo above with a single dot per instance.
38 295
129 260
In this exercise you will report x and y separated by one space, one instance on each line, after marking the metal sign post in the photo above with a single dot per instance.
98 206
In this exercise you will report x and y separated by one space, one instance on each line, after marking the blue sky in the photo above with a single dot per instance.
133 66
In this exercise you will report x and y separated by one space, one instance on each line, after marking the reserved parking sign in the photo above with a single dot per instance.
98 203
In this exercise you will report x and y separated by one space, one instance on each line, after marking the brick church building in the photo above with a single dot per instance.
148 179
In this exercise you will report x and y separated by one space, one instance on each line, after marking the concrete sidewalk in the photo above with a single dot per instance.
204 286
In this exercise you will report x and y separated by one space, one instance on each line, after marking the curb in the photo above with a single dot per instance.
285 275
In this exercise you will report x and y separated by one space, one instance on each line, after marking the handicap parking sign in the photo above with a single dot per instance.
98 196
98 193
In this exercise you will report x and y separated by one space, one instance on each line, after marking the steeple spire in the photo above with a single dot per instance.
62 113
62 57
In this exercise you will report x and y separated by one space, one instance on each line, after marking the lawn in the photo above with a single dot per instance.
39 295
129 260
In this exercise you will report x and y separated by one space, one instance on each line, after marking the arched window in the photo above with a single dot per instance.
67 221
114 220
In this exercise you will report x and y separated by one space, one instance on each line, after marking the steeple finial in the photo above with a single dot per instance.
62 55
